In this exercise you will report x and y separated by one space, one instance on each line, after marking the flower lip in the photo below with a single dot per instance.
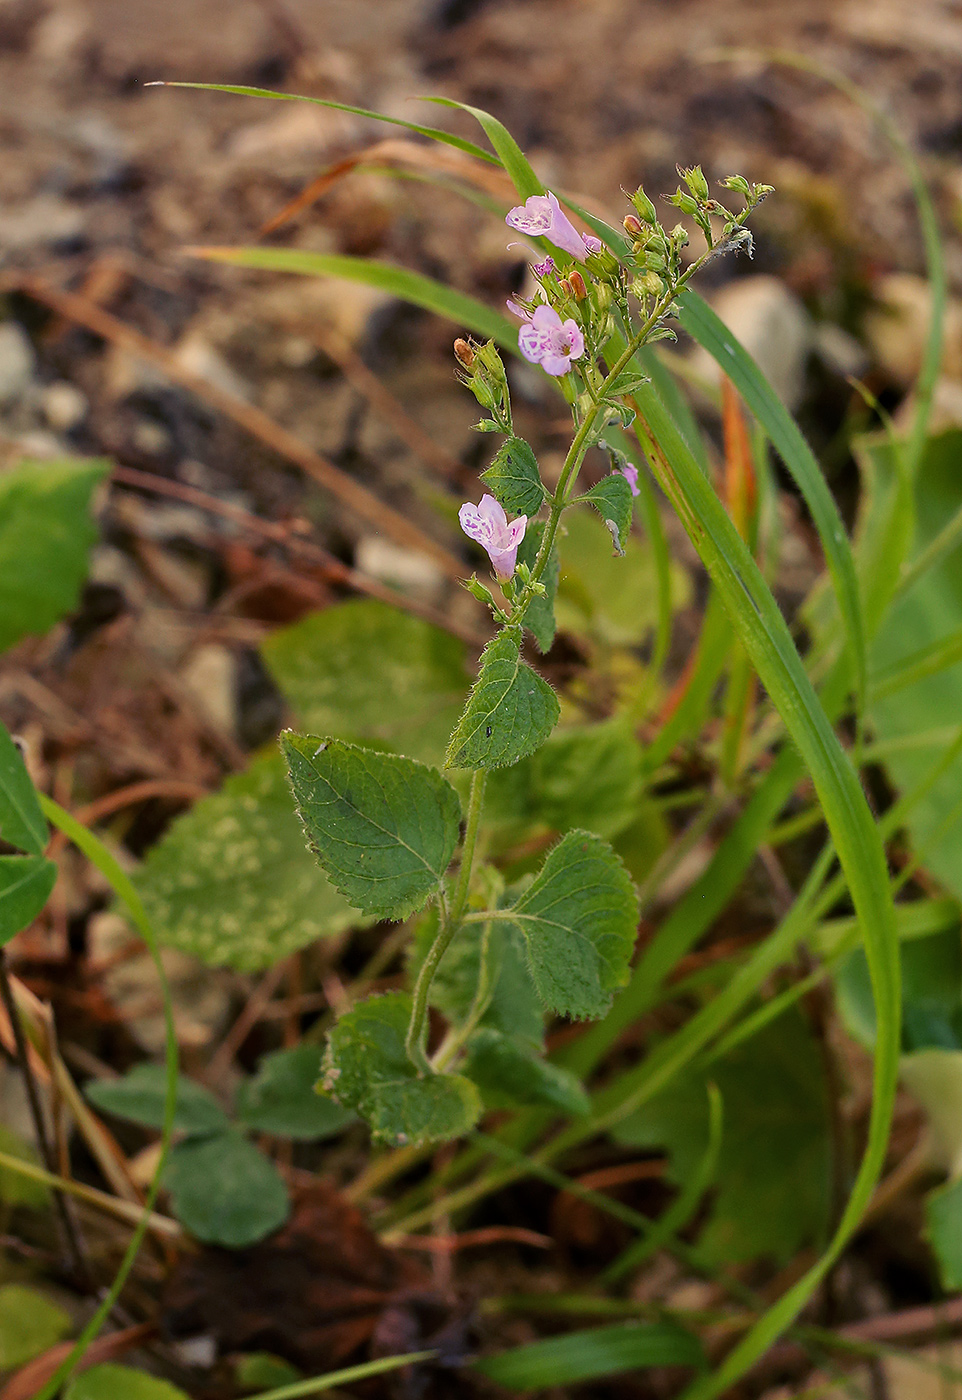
488 525
541 216
548 341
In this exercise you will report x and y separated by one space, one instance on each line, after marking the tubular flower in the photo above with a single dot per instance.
548 341
630 474
488 525
541 216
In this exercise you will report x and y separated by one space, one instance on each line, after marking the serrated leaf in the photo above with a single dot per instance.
25 886
628 382
141 1094
232 882
282 1097
225 1191
108 1381
539 619
22 824
510 712
943 1228
29 1325
579 918
514 1006
514 478
367 672
383 827
46 531
510 1075
367 1068
611 498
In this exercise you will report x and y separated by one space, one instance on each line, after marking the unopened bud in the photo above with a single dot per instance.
651 284
464 353
577 285
695 180
565 286
632 224
679 235
644 206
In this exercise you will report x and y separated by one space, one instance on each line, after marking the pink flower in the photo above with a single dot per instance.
548 342
517 309
488 525
541 216
544 269
630 474
592 244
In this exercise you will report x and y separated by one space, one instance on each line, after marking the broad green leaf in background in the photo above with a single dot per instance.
931 992
22 824
943 1220
232 881
25 886
588 776
930 611
29 1325
225 1191
539 619
366 1066
934 1078
261 1370
615 600
513 477
510 712
46 531
140 1095
367 672
509 1074
383 827
579 920
282 1097
611 498
596 1352
15 1189
774 1168
109 1381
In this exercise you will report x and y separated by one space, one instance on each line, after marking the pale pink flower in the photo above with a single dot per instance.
517 309
488 525
544 269
541 216
551 343
592 244
630 474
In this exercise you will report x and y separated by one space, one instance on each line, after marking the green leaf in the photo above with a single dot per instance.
579 919
231 881
29 1325
22 823
46 532
934 1078
588 776
367 1068
509 152
514 478
510 712
611 498
943 1227
399 282
25 886
595 1352
260 1370
539 619
367 672
613 599
774 1173
383 827
510 1075
225 1191
109 1381
282 1098
15 1189
141 1094
931 992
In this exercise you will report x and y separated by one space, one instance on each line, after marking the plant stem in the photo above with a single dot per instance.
416 1036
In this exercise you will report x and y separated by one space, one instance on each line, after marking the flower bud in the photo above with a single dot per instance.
633 225
577 285
604 296
679 235
565 286
643 204
695 180
464 353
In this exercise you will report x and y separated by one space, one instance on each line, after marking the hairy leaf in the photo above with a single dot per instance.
383 827
367 1068
22 824
25 886
46 531
225 1191
514 478
510 1075
367 672
611 498
579 918
510 711
539 619
282 1097
141 1094
232 881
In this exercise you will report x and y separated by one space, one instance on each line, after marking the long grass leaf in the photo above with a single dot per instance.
595 1352
509 153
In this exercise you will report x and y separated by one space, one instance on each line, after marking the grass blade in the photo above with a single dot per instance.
509 153
595 1352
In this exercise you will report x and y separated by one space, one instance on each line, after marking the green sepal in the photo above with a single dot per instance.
514 479
510 712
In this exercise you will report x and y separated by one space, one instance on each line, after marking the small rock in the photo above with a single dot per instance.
17 361
896 330
64 405
411 573
774 328
151 438
39 222
839 351
210 676
300 130
198 356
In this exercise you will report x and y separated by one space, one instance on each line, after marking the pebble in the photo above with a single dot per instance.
17 362
774 327
401 568
64 405
210 676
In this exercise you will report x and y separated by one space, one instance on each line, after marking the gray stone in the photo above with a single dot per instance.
17 362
